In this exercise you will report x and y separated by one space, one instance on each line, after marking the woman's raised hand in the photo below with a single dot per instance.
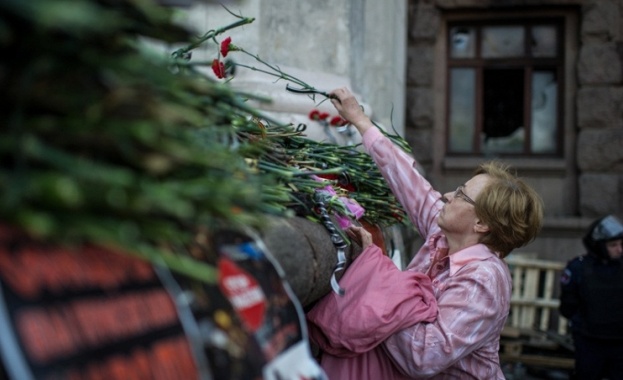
349 108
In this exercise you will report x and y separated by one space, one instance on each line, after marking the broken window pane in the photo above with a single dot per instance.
462 42
544 41
462 109
544 115
503 126
504 79
502 41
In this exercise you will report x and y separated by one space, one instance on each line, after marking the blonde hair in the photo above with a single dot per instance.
512 209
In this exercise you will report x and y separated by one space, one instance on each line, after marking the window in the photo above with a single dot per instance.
504 82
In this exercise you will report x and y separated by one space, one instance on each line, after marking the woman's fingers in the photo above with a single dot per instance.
353 235
360 235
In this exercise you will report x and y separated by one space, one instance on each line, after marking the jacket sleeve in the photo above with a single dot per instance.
380 300
421 202
569 289
472 312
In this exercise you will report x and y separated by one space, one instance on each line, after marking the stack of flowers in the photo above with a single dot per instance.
290 156
108 142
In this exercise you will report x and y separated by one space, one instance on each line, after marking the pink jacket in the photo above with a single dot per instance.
380 300
472 288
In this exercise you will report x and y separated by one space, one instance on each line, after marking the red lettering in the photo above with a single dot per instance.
45 333
51 333
174 360
56 268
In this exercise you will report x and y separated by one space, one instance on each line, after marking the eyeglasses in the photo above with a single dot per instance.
458 193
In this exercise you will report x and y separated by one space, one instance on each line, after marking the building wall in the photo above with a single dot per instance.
588 181
359 42
392 54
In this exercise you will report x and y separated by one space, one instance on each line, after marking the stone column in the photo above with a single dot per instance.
600 109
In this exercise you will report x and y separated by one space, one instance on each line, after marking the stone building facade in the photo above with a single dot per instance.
586 180
396 55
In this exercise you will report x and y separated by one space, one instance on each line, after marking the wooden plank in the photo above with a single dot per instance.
562 325
528 311
539 360
518 273
532 303
548 291
536 302
542 344
510 332
511 348
535 263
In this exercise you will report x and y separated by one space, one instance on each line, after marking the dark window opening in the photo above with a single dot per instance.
503 106
504 84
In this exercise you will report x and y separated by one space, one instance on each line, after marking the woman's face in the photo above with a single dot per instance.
615 249
459 215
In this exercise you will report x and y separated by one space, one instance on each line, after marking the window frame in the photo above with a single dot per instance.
526 63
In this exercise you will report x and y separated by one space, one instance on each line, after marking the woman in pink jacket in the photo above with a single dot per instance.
467 234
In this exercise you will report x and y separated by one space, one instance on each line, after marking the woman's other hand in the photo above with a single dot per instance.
360 236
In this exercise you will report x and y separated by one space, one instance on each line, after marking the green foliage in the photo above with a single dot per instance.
100 138
107 141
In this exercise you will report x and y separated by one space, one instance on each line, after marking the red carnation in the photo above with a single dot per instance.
314 114
336 121
323 116
225 46
219 68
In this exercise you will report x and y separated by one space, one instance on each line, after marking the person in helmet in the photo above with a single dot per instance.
592 300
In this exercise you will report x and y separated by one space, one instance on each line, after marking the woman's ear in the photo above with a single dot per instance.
480 227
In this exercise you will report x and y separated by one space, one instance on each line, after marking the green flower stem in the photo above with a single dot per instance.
211 35
181 264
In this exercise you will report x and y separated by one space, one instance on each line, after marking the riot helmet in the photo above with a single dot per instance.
601 231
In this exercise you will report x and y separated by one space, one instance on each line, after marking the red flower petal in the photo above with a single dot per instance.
219 68
225 46
314 114
336 120
323 116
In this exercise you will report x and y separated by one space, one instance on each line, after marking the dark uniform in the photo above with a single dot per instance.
592 300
